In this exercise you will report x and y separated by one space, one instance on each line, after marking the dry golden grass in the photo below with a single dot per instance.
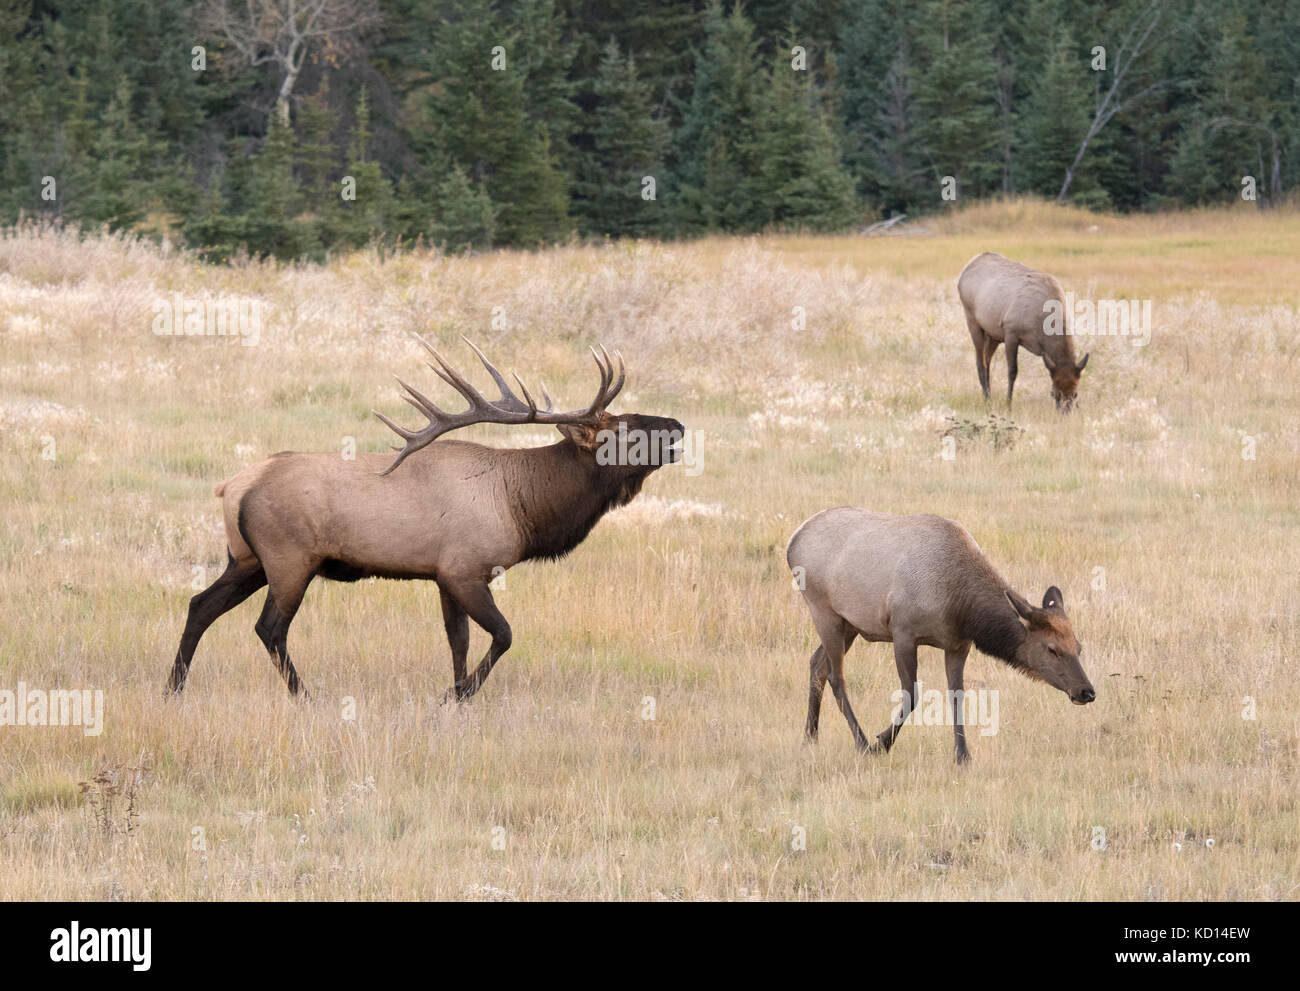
683 597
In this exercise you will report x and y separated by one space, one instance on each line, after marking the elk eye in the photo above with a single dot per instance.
1053 651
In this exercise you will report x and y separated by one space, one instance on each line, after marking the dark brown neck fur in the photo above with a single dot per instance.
985 617
558 493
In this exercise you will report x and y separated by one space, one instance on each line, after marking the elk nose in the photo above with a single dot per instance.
1087 695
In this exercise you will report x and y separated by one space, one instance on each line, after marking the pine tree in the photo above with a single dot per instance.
315 157
956 96
1236 126
1055 121
880 113
712 150
118 189
479 121
272 223
370 215
628 144
545 58
466 215
802 182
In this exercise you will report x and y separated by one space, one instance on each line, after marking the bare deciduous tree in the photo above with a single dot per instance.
1110 103
282 32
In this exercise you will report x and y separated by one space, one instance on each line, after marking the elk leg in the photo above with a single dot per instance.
982 353
236 584
456 623
990 349
818 671
955 663
1012 348
282 602
905 661
835 637
476 600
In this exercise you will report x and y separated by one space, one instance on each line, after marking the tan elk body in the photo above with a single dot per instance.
920 581
455 513
1006 302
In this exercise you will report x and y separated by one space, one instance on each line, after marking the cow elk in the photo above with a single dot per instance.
1007 302
452 512
920 581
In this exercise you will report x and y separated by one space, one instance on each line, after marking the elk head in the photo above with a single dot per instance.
1050 651
1065 381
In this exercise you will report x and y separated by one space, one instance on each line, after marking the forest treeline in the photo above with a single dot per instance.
296 127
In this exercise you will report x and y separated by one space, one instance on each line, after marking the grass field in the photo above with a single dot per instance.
1166 508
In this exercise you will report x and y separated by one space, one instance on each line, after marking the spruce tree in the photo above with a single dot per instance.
801 182
478 116
465 214
370 215
713 144
957 98
1056 118
628 143
117 192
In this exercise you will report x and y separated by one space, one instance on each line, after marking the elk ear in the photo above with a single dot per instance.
1023 609
1051 365
580 433
1082 364
1053 600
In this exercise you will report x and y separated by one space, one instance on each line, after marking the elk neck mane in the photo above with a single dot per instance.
558 493
985 617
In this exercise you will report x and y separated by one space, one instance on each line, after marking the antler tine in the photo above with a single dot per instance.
532 406
622 377
421 402
454 378
605 375
614 388
400 431
448 379
550 403
507 394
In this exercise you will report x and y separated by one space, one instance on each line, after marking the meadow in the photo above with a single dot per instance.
643 737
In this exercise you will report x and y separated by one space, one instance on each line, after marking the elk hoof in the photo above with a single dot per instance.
458 692
963 757
880 745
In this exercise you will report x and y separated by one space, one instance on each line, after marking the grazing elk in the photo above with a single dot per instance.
920 581
456 513
1006 301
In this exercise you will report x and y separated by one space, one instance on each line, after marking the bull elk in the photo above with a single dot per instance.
455 513
1005 302
920 581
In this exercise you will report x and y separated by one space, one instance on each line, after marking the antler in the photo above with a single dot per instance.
509 408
